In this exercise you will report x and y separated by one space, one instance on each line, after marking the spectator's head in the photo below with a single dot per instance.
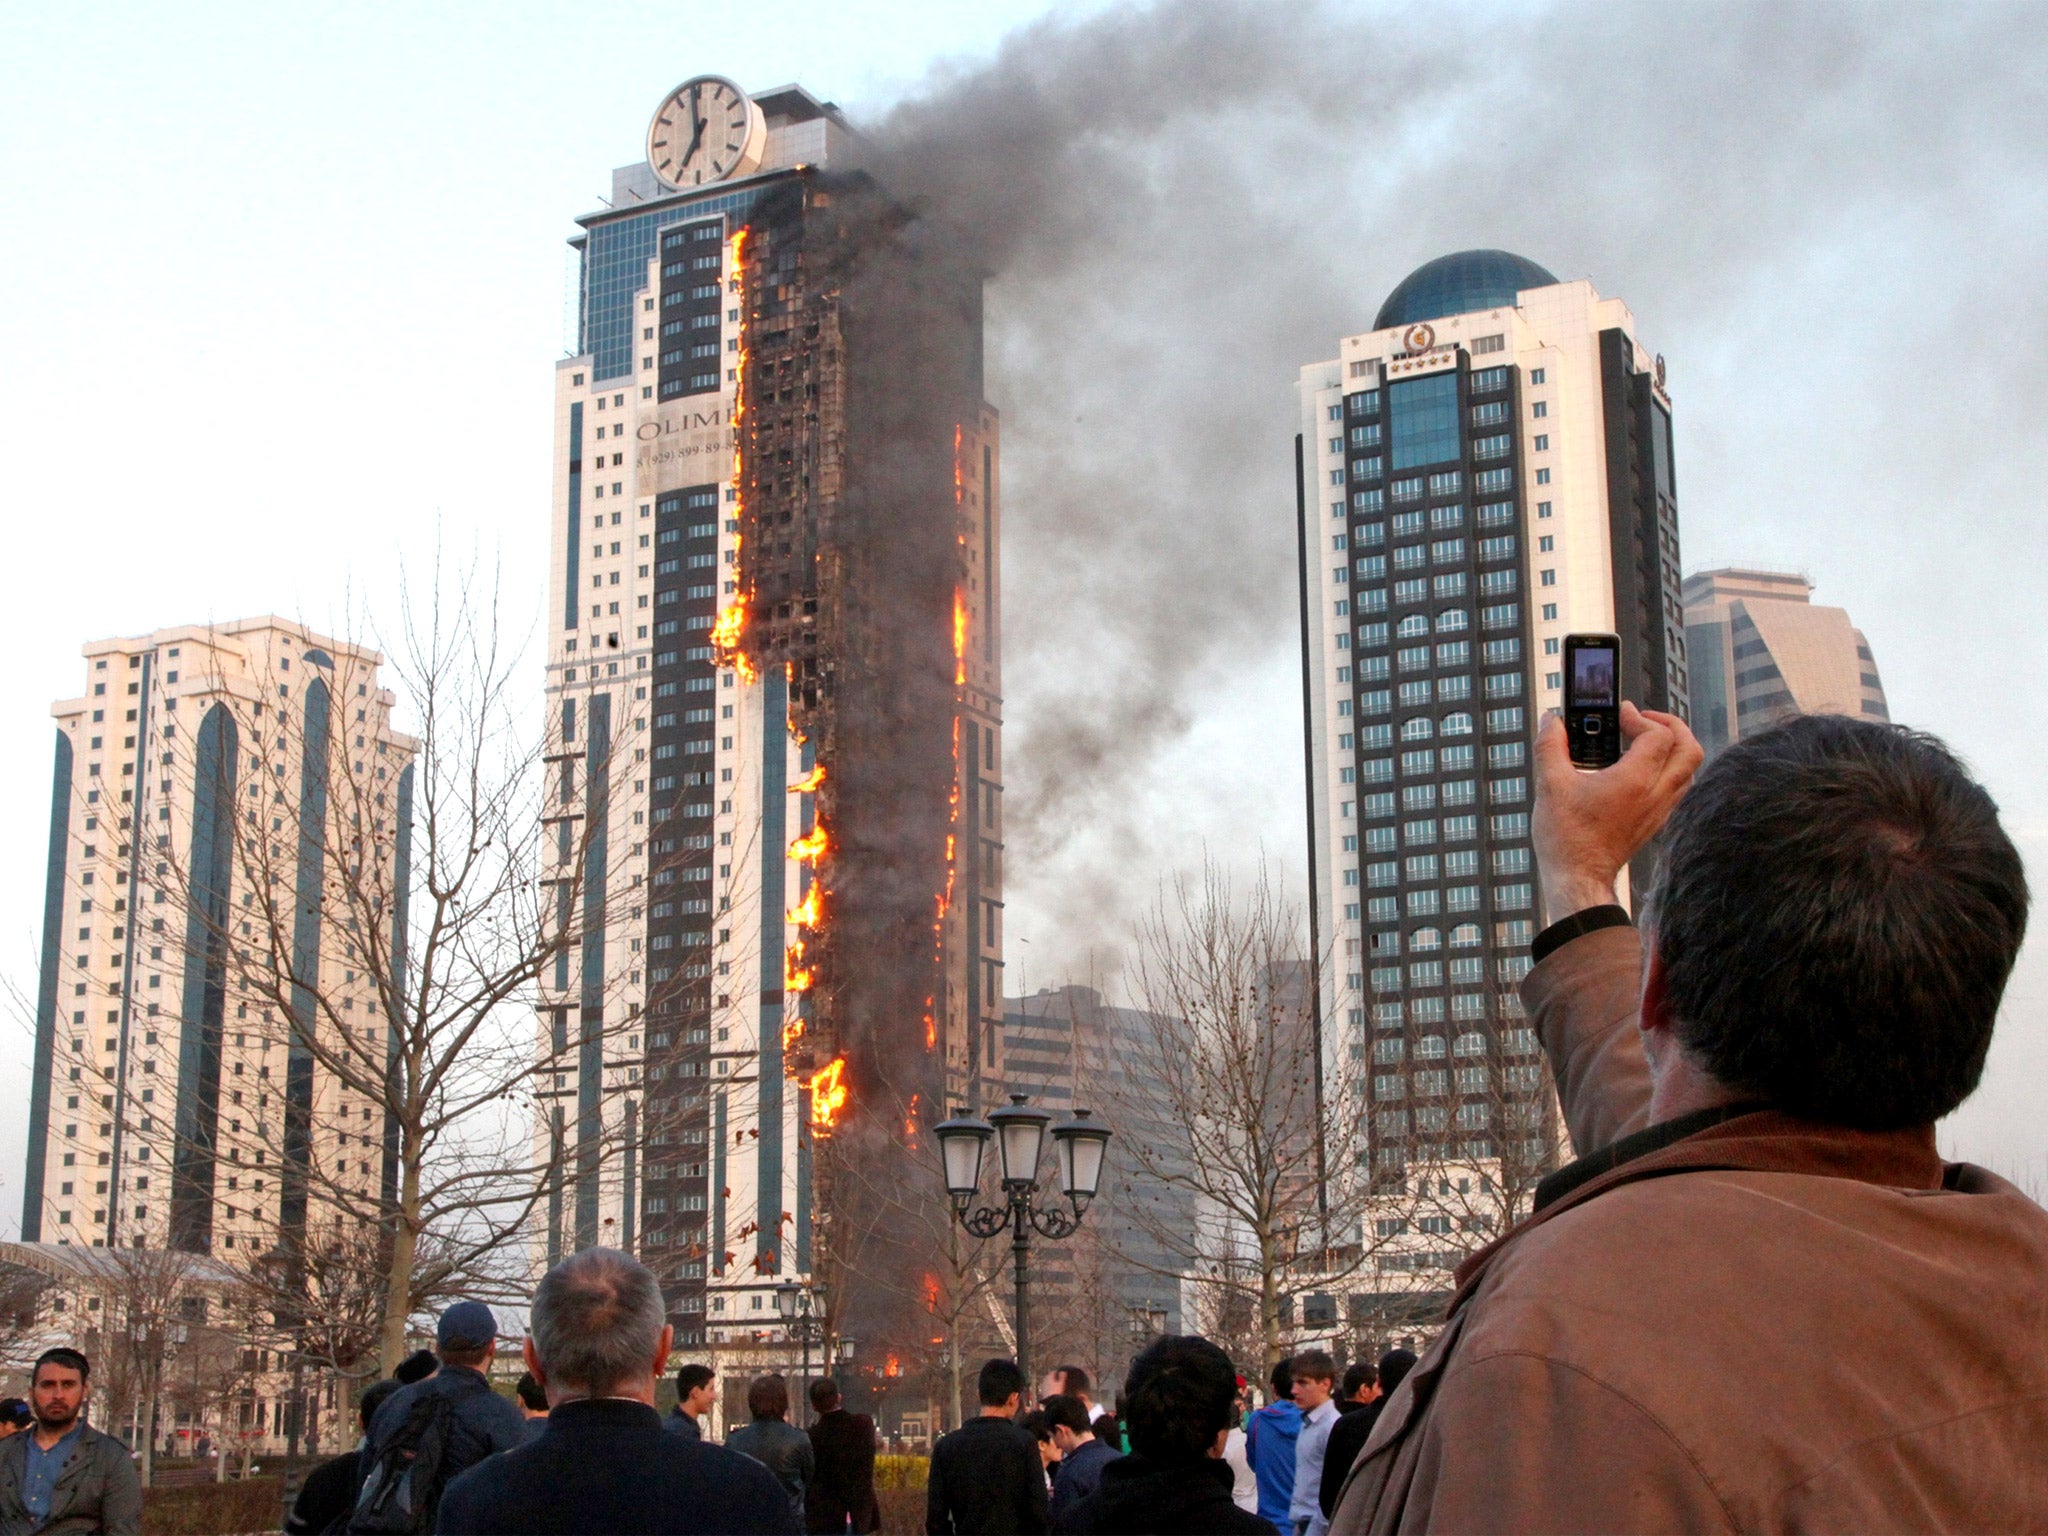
533 1397
1073 1380
1067 1417
1177 1399
57 1386
417 1366
1395 1365
15 1416
598 1328
695 1391
824 1395
1315 1379
1282 1380
1041 1431
466 1334
768 1397
1361 1377
373 1399
1000 1386
1834 923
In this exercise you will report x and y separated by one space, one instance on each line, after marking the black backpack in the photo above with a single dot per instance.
402 1488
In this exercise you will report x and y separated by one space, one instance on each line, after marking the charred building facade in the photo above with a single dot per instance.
774 688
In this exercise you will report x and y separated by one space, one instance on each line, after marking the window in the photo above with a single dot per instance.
1452 621
1366 403
1508 791
1367 535
1511 898
1451 551
1499 652
1454 653
1504 754
1448 483
1408 490
1494 447
1536 375
1541 408
1501 547
1366 436
1491 414
1543 509
1486 380
1443 519
1425 420
1449 585
1503 722
1457 723
1543 477
1548 578
1409 557
1545 544
1491 482
1497 583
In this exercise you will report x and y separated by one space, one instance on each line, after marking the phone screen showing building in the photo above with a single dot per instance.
1593 678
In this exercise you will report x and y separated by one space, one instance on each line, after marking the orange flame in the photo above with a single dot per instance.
730 626
828 1095
809 783
808 912
812 846
893 1368
959 637
792 1032
931 1293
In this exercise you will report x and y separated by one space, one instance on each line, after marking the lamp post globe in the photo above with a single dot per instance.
1020 1137
786 1297
963 1145
1079 1146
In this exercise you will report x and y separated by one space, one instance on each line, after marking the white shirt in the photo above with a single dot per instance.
1308 1469
1096 1411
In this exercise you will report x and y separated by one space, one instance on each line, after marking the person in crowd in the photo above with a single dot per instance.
598 1342
63 1475
841 1493
15 1416
1072 1381
329 1492
1244 1483
533 1403
1039 1427
1179 1400
774 1442
1754 1079
417 1366
477 1423
1315 1385
1082 1455
1349 1434
987 1477
1360 1387
696 1392
1270 1439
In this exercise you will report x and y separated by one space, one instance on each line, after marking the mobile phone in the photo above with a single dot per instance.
1592 699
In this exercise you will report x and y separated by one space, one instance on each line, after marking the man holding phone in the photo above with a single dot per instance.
1753 1083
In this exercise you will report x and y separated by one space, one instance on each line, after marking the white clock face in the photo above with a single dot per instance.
707 130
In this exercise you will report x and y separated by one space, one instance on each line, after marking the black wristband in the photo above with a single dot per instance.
1565 929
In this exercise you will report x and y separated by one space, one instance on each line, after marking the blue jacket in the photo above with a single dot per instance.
1079 1475
1269 1441
607 1465
484 1423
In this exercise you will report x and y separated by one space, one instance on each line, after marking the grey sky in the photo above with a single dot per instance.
284 284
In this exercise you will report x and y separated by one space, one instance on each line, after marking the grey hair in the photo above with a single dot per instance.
597 1318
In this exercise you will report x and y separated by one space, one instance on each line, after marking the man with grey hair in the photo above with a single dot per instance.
598 1342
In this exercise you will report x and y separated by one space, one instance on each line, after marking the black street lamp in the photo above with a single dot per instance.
1019 1132
793 1302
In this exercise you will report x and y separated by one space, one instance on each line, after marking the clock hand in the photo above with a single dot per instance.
696 138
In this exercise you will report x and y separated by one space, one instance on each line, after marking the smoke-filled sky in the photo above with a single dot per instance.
284 286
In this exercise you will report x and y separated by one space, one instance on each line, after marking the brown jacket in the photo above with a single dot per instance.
1763 1325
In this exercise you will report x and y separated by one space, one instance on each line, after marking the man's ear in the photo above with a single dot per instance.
532 1359
1655 1019
668 1339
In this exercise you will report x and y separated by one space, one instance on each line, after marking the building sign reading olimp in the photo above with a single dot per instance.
694 443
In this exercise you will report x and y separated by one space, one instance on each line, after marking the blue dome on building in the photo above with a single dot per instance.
1459 283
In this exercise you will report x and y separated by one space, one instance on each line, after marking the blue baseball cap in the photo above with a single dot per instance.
466 1325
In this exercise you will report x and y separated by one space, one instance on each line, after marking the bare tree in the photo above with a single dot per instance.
377 950
1256 1191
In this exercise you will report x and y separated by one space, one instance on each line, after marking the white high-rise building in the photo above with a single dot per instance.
1484 470
785 920
210 780
1763 650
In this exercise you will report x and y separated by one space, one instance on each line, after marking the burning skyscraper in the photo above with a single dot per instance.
774 721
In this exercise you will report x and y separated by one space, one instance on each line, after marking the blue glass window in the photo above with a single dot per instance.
1425 420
